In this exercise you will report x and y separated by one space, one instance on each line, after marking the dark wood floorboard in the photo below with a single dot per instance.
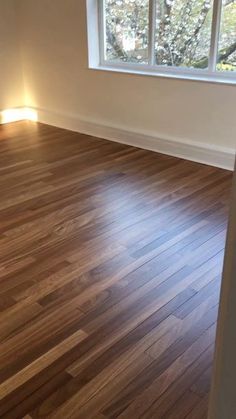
110 272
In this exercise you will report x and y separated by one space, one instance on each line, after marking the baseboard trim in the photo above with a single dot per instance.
21 113
217 156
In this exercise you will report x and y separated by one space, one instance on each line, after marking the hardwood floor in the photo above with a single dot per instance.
110 270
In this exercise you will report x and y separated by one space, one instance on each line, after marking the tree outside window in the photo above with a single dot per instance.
182 33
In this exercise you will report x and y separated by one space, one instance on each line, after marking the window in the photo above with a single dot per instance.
176 37
127 31
226 59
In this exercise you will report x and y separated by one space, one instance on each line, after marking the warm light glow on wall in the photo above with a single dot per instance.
18 114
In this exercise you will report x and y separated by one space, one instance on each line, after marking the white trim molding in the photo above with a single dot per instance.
17 114
200 152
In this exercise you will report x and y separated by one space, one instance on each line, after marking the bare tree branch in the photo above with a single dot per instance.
223 55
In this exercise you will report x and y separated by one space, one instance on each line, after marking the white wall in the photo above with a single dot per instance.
11 78
57 78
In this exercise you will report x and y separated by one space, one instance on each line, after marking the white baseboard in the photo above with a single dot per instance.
212 155
17 114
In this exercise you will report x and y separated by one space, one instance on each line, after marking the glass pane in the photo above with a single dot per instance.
127 30
183 34
227 42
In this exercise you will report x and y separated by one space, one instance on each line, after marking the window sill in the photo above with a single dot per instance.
167 73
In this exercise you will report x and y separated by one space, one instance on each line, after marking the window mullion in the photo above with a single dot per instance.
215 32
102 30
152 30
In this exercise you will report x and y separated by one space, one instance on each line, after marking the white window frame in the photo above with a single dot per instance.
96 45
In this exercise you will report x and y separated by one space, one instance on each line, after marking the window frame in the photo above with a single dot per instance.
209 74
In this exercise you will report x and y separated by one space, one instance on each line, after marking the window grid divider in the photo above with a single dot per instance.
102 31
152 32
215 33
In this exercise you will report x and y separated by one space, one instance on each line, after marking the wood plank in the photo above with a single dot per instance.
40 363
110 271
